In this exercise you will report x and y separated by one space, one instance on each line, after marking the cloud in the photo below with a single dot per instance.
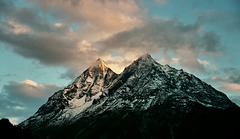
204 62
167 36
230 75
19 108
225 20
22 99
58 24
97 19
49 49
117 31
17 28
235 99
233 74
45 32
27 16
227 80
33 36
192 63
14 120
28 89
70 74
232 86
160 1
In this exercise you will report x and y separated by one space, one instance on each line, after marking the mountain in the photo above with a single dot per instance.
147 100
75 98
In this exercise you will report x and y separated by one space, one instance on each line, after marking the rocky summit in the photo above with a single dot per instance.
147 100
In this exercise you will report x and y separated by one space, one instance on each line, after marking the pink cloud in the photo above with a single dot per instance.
97 19
233 87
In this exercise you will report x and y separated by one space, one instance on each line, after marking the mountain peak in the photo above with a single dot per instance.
145 59
99 64
99 59
145 56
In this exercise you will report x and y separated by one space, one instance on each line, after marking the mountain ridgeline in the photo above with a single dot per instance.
147 100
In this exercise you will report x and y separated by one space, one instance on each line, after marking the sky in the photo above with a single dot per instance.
46 44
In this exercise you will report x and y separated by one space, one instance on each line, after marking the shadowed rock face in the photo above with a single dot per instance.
147 100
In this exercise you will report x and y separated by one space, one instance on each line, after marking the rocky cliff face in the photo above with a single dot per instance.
145 95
